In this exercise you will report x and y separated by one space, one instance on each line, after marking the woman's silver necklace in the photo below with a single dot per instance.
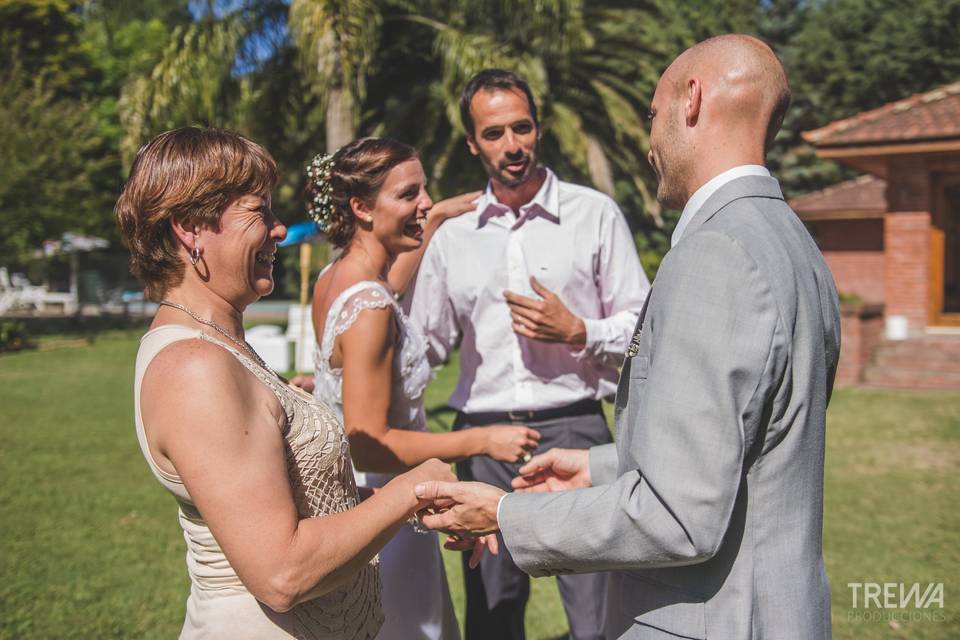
244 346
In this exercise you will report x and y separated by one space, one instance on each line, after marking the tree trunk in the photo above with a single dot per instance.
600 172
339 124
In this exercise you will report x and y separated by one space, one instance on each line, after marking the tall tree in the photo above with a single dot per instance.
55 173
52 155
206 72
849 56
591 67
337 41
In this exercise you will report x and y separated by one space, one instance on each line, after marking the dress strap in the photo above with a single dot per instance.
347 307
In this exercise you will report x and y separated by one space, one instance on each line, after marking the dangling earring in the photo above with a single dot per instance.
195 255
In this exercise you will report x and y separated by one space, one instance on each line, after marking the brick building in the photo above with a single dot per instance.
892 239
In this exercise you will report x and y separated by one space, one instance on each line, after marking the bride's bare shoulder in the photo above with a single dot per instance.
335 280
332 282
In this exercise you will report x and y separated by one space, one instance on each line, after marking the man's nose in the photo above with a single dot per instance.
512 144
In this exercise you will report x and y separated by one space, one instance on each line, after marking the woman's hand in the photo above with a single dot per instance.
475 545
453 207
432 469
303 381
510 443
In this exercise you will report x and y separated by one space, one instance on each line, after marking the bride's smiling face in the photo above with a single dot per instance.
400 210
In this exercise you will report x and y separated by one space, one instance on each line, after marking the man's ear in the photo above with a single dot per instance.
472 145
693 103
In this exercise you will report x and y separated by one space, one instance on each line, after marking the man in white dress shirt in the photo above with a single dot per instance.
541 288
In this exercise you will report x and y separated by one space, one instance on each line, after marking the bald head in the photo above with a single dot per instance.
743 82
718 106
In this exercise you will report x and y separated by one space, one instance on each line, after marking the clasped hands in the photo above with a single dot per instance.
467 511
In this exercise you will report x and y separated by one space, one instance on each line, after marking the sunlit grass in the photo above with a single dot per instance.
91 547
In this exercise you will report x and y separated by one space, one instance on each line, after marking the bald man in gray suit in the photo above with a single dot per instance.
708 509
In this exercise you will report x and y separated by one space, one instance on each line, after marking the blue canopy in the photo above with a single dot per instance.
300 232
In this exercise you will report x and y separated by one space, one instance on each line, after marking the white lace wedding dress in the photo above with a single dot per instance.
416 600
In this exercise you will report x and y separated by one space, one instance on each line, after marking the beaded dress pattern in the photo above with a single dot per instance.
321 474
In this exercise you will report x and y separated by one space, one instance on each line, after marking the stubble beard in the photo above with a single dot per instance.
506 179
672 173
503 177
667 178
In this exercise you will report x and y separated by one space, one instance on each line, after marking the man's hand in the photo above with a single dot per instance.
465 509
548 320
555 470
475 545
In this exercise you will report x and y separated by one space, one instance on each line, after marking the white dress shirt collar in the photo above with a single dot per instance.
545 203
701 195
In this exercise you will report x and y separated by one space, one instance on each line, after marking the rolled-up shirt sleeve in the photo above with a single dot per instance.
430 308
622 287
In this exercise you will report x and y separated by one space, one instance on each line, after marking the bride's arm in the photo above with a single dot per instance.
406 264
220 429
367 348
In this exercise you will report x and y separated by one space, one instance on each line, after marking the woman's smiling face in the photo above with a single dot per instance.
401 207
240 254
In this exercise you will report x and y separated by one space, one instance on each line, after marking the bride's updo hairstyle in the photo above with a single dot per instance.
357 170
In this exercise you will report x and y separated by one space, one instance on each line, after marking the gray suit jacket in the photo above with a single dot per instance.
709 507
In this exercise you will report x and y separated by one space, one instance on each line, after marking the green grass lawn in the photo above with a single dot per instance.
92 549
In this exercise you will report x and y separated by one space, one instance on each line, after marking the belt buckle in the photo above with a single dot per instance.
520 416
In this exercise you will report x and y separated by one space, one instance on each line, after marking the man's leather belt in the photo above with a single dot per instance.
579 408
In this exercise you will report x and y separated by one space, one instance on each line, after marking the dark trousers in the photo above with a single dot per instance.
497 590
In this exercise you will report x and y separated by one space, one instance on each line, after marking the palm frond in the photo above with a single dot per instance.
565 125
337 42
192 82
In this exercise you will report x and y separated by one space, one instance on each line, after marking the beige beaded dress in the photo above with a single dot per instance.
321 476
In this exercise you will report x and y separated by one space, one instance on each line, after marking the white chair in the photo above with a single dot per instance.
9 297
36 296
271 345
300 333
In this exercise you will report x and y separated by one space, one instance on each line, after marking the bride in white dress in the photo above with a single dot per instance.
370 198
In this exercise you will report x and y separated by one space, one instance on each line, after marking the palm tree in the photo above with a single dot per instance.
209 71
397 67
337 41
201 76
583 62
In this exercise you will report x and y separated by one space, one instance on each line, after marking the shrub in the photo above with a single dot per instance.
849 298
13 335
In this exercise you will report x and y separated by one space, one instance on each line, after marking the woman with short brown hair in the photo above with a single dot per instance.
278 543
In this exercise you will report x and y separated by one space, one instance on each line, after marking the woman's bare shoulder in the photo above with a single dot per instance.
200 366
195 383
330 287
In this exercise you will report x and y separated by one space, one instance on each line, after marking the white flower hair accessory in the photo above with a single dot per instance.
321 208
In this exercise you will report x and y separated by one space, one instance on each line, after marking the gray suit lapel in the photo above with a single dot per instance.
745 187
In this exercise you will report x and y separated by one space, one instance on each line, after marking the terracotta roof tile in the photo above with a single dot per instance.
866 193
934 115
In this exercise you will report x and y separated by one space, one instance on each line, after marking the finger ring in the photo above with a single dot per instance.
526 457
